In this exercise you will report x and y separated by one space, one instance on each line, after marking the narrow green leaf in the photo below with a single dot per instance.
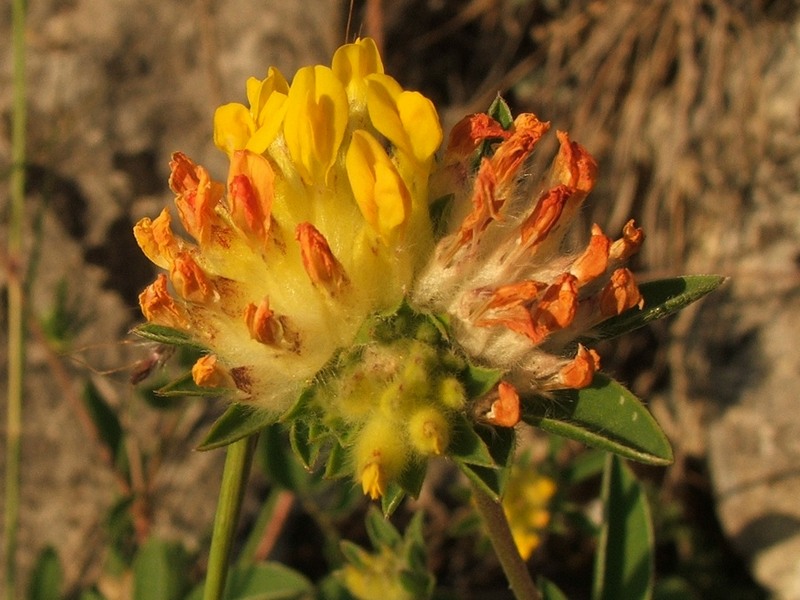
237 422
268 581
549 590
624 563
412 477
604 415
160 571
380 531
47 577
105 420
166 335
661 299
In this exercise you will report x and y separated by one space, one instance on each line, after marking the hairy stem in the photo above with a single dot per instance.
16 349
234 478
519 578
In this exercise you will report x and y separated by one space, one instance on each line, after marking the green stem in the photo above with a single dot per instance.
234 478
16 350
519 578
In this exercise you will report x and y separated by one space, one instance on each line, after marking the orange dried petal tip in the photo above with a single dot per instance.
505 411
620 294
320 264
579 372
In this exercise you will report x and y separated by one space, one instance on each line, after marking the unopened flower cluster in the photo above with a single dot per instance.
325 221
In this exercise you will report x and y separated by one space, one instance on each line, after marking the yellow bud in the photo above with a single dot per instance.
451 393
429 431
380 456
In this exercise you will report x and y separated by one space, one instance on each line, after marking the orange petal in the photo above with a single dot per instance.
556 309
267 328
189 280
251 186
469 133
545 216
620 294
594 260
156 239
320 264
159 307
197 195
580 371
573 166
512 153
505 411
207 372
629 244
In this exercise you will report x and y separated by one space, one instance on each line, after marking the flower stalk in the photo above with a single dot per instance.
515 569
16 350
238 460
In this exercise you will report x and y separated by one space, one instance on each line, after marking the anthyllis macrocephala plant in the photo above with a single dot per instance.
390 298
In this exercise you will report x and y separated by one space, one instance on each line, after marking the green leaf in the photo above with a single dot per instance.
480 380
338 463
280 464
380 531
160 571
267 581
307 452
661 299
490 480
237 422
108 426
549 590
624 563
467 446
185 386
391 499
501 113
604 415
166 335
47 577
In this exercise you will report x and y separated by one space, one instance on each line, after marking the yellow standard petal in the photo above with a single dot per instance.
352 63
267 98
315 122
379 190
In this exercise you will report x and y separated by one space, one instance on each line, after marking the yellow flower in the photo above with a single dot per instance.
309 236
323 228
526 505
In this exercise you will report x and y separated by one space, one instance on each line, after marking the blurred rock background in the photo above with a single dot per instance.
692 109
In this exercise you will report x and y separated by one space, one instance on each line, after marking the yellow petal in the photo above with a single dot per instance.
233 127
353 62
259 93
421 123
407 119
315 122
380 192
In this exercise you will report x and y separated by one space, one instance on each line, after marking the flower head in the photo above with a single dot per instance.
312 272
